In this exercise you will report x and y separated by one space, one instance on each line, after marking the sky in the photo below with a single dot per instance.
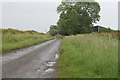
119 16
39 15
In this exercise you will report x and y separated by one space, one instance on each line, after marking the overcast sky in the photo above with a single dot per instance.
40 15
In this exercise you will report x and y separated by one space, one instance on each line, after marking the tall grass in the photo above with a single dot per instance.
89 56
15 39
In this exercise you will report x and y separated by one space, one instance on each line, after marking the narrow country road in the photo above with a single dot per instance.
38 61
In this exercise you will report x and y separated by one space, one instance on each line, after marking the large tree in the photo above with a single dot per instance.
77 17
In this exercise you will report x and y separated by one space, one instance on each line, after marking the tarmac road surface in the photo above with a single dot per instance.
39 61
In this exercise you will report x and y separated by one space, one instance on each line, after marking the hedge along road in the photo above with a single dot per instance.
38 61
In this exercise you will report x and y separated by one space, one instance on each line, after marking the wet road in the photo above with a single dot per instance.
33 62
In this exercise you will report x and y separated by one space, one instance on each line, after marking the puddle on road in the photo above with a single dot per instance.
49 70
50 64
38 69
56 56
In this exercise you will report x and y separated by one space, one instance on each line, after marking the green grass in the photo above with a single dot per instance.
88 56
15 39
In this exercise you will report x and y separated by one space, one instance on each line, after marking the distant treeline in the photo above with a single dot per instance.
54 31
77 18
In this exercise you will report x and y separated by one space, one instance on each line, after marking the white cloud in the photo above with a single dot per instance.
30 0
39 16
52 0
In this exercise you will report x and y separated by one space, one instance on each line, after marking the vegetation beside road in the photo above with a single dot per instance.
76 18
89 56
15 39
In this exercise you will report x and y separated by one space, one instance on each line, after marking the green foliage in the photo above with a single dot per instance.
53 30
15 39
89 56
59 36
77 17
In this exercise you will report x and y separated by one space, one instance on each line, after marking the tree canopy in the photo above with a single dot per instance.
77 17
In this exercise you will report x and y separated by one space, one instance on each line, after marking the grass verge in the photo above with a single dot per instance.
15 39
89 56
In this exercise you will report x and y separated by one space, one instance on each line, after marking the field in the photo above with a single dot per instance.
15 39
89 56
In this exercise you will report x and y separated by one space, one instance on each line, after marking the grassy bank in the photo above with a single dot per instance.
15 39
89 56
